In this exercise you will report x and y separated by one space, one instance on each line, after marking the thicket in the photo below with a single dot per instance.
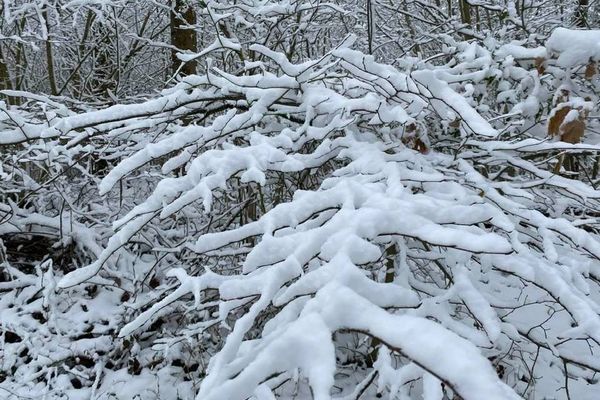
299 199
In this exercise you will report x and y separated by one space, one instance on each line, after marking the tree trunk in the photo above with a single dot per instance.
50 57
370 25
465 12
581 13
5 82
182 37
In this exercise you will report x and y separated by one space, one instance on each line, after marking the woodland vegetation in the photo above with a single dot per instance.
300 199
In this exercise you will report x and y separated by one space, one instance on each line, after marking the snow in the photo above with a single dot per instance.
444 96
574 47
294 225
435 349
478 305
518 52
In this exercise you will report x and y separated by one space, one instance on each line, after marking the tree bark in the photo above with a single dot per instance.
370 25
50 57
5 82
581 13
465 12
183 37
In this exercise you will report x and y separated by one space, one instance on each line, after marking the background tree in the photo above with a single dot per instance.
183 35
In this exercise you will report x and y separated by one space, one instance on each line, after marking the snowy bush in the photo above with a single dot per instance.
304 220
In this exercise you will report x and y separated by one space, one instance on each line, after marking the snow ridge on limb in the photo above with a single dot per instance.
450 358
296 222
574 47
187 284
325 111
296 178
